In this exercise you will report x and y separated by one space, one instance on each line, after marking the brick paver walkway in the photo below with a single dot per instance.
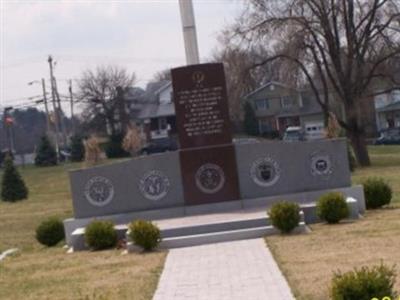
239 270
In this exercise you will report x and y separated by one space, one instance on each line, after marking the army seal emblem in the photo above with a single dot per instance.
99 191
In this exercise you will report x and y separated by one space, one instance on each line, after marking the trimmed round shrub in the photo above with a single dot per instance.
332 207
101 235
377 192
366 283
50 232
145 234
285 216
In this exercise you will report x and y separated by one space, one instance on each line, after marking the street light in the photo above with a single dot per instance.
32 82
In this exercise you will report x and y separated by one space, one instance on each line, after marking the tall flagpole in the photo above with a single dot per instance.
189 32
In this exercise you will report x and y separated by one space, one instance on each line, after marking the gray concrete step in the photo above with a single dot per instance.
214 227
218 237
196 230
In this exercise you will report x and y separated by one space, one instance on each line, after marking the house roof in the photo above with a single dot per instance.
155 110
268 84
390 107
162 88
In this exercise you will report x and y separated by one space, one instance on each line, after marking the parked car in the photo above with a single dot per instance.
293 134
159 146
389 137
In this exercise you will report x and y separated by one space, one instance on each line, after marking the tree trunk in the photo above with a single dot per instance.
360 149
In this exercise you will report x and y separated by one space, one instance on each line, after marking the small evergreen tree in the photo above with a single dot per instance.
45 154
13 187
77 148
114 147
250 120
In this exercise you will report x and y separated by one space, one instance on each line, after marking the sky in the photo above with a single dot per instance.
144 36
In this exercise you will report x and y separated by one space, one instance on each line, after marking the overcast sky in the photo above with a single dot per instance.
143 36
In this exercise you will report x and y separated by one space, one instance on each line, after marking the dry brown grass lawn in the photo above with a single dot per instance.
308 261
49 273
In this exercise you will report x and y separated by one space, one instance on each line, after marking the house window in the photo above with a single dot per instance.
262 104
287 102
396 95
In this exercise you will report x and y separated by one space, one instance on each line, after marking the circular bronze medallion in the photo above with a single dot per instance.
210 178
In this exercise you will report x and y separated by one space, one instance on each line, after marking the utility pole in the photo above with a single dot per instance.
60 114
53 95
189 32
45 105
71 99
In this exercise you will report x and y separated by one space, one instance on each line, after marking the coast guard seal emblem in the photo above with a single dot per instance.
154 185
210 178
99 191
321 164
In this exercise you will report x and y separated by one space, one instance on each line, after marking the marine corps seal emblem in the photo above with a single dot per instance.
210 178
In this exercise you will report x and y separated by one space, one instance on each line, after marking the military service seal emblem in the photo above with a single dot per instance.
210 178
154 185
99 191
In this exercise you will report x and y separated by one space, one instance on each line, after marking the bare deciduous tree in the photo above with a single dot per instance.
100 91
241 78
345 44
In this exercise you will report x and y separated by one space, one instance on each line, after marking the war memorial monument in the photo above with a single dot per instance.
209 174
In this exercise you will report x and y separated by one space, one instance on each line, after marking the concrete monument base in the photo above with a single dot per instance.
192 225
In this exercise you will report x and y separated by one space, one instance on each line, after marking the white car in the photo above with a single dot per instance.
293 134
